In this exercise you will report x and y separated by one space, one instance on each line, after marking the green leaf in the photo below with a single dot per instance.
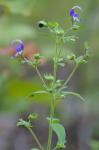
49 77
39 92
26 124
60 132
74 94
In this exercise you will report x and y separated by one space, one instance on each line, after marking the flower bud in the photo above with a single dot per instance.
42 24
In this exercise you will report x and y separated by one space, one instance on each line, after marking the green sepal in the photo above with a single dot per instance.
32 116
59 83
60 62
80 60
24 123
37 56
71 57
49 77
36 63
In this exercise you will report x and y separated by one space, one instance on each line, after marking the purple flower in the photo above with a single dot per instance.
19 47
73 14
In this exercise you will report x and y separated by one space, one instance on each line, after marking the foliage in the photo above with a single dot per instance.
60 132
94 145
51 85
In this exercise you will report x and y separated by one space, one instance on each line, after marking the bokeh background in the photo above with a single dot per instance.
18 20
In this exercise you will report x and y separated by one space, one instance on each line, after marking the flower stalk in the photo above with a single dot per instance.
36 139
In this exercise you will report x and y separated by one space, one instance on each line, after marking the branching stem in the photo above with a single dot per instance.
36 139
41 78
69 77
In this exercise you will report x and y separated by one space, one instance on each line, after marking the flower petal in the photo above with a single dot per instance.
72 12
19 46
76 17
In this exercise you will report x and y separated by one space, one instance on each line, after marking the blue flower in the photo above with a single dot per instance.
19 47
73 14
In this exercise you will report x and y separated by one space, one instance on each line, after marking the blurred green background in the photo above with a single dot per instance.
18 20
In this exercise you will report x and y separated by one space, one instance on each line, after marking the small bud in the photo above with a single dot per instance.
37 56
42 24
32 116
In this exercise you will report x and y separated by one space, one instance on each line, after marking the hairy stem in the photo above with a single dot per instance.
41 78
55 61
36 139
69 77
50 128
53 100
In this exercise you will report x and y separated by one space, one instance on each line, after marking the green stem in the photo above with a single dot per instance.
53 100
36 139
50 128
41 78
69 77
57 56
55 61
